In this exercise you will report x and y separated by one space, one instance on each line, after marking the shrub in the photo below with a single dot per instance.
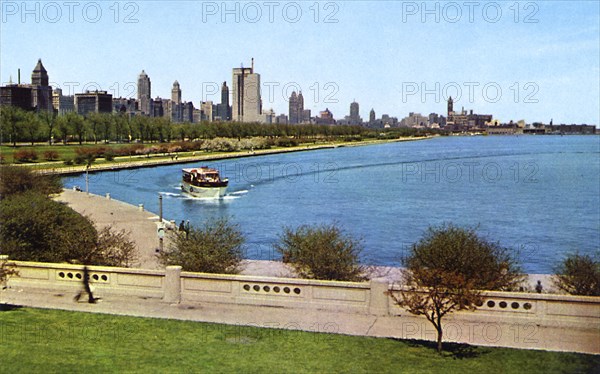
579 275
36 228
216 247
25 155
7 269
321 252
109 155
15 180
68 161
51 155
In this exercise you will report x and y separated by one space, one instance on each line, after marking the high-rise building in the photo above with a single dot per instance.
176 93
372 117
223 109
247 103
293 108
296 108
41 92
354 114
144 94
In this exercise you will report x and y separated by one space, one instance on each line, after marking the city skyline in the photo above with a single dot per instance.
385 59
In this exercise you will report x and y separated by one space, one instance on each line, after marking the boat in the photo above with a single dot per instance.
204 182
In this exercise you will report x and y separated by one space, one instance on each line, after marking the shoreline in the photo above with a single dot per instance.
143 224
143 162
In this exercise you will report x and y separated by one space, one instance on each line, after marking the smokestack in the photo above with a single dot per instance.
19 78
252 65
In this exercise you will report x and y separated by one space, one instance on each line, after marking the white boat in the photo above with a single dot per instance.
204 182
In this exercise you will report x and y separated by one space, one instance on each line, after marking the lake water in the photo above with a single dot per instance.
538 195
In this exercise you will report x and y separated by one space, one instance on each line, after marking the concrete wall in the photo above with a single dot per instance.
522 320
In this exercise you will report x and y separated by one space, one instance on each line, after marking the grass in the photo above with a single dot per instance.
36 340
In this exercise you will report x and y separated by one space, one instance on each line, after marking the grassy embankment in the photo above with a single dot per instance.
68 152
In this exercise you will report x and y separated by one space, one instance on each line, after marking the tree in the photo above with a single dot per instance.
62 127
77 125
447 269
578 275
10 118
31 126
321 252
49 120
15 180
216 247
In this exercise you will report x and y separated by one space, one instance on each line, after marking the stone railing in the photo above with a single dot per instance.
524 320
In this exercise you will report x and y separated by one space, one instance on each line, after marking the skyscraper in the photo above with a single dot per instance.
296 108
300 108
372 116
246 95
354 114
41 92
293 115
144 93
223 110
176 93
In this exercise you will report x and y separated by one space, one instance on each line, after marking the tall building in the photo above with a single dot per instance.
41 92
296 108
372 117
35 96
293 108
354 114
176 93
247 102
223 109
144 94
93 102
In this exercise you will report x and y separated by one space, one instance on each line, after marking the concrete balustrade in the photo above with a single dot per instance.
524 320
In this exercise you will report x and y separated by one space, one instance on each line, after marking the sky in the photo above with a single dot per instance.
532 60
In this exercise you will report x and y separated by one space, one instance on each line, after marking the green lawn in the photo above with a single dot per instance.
37 340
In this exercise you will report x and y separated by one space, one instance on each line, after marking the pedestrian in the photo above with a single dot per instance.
539 287
87 288
182 226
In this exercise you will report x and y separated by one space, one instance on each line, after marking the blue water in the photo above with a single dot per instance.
538 195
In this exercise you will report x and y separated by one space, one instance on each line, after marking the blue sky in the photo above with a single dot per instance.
532 60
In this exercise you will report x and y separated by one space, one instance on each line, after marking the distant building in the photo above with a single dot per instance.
247 103
93 102
208 111
372 117
35 96
281 119
414 120
125 105
354 118
16 95
144 93
176 93
306 116
463 121
158 107
62 104
296 108
223 109
188 112
325 118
